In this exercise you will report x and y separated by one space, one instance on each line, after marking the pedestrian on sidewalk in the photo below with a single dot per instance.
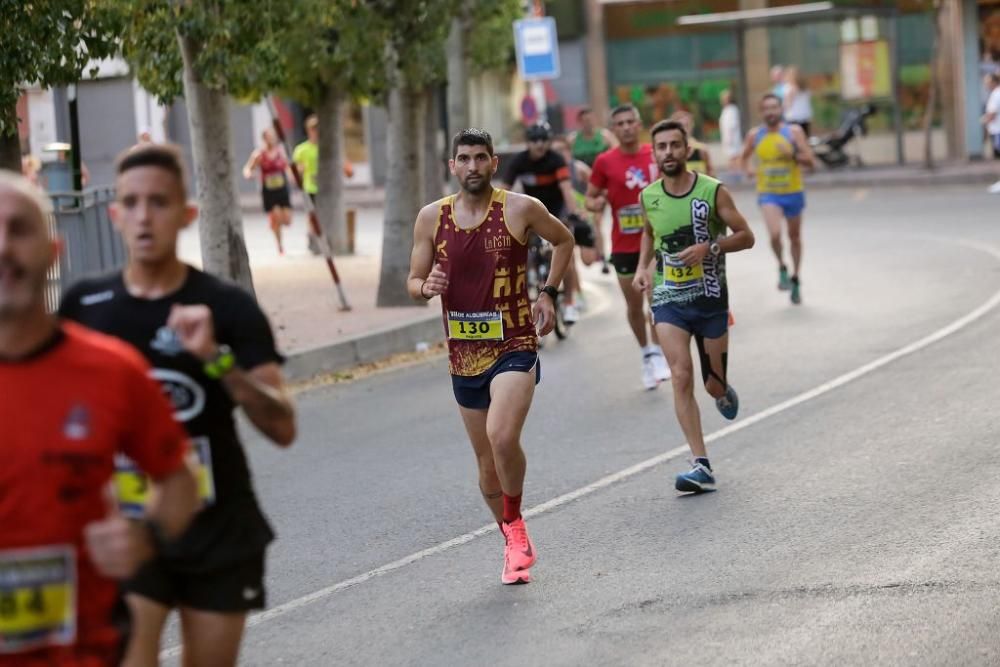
991 119
270 158
797 101
730 131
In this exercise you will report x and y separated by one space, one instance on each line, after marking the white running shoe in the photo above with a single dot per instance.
660 368
571 313
649 381
994 189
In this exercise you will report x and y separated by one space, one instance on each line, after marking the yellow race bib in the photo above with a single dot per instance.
681 276
274 181
630 219
37 598
475 326
132 485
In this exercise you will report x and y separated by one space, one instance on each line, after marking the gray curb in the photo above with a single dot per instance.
364 348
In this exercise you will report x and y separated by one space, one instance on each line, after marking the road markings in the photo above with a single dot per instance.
643 466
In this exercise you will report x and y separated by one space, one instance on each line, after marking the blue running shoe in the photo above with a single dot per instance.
696 480
784 281
729 405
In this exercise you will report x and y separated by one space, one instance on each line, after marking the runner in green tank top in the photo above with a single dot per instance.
590 140
687 215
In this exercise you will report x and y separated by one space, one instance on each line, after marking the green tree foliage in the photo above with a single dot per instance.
239 44
491 37
49 44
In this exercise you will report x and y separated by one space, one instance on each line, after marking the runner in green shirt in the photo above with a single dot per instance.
306 157
686 216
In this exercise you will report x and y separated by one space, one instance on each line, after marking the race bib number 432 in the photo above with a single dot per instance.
132 485
475 326
37 598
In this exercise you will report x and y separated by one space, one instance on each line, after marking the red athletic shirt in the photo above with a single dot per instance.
486 310
64 413
624 176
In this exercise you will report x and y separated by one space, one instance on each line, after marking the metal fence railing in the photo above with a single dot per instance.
90 243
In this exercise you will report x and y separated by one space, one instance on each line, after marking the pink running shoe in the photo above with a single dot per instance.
519 554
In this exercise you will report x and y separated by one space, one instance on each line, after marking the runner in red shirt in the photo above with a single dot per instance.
62 542
617 178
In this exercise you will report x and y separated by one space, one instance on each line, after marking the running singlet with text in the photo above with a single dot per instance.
777 171
66 412
487 312
678 223
231 526
624 175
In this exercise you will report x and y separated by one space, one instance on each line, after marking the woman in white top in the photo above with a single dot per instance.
729 129
797 102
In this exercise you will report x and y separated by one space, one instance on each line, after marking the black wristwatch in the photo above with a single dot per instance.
552 292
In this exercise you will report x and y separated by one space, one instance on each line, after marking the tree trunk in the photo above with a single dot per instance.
433 166
220 228
932 94
330 196
458 77
10 144
403 186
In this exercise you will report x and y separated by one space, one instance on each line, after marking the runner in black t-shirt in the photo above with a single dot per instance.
212 349
544 174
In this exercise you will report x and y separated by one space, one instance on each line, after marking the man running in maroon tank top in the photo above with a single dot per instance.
471 249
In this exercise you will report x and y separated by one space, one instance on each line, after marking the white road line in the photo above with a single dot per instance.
638 468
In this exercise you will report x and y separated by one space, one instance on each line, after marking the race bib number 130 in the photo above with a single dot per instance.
475 326
37 598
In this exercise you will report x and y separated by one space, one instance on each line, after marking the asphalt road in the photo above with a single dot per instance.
856 518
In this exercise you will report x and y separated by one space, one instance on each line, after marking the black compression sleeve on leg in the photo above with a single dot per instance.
706 363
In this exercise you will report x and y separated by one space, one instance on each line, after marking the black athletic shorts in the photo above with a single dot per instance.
625 263
237 587
583 233
275 197
473 391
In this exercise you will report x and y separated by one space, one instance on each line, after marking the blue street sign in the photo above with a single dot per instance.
537 48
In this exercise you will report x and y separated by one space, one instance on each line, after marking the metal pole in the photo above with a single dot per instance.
314 227
74 139
897 111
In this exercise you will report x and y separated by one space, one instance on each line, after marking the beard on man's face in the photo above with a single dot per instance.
676 169
475 184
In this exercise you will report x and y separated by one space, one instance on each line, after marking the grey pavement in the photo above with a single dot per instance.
858 526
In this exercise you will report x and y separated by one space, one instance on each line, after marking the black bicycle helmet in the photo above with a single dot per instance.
539 132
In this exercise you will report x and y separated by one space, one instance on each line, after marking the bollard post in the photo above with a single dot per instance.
352 217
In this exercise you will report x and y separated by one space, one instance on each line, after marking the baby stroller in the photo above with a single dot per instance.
830 149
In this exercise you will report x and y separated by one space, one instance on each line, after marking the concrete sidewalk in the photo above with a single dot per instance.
982 172
298 295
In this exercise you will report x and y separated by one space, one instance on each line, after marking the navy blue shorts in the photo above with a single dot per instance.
696 321
473 391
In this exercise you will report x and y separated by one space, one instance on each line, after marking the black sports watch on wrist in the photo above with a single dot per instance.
551 291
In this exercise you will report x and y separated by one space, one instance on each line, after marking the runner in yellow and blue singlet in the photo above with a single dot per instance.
781 151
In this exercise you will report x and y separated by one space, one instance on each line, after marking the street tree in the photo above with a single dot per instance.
208 51
415 62
332 57
46 44
468 56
